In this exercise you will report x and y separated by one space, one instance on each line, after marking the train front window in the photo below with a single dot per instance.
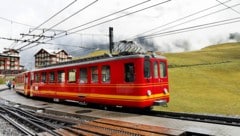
61 76
147 69
83 75
163 70
129 72
106 74
94 75
72 75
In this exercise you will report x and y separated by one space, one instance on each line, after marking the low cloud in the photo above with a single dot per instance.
234 36
148 44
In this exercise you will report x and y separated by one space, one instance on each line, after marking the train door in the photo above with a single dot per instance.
26 83
155 77
147 70
163 71
163 76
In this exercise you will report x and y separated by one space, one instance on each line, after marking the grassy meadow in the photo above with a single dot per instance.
205 81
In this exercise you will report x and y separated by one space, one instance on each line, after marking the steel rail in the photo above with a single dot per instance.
34 124
215 119
20 127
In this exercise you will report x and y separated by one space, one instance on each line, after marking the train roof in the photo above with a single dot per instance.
97 59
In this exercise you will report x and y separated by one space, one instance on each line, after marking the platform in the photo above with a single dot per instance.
190 126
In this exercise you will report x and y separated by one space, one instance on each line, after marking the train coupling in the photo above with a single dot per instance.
160 103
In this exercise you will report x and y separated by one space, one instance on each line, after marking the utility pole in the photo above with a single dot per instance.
110 39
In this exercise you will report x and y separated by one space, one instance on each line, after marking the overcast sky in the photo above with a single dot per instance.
19 16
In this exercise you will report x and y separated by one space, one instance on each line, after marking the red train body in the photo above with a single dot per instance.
138 80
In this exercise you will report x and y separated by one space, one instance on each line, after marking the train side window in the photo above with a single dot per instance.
83 75
129 72
72 75
51 77
94 73
155 70
147 69
44 77
61 76
37 77
163 70
105 74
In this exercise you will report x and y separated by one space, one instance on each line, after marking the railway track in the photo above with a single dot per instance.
215 119
41 124
30 123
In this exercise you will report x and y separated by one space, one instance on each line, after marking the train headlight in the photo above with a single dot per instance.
165 90
149 92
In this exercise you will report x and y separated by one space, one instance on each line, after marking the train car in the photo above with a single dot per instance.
22 81
132 80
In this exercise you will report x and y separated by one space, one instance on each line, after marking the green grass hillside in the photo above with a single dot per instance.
205 81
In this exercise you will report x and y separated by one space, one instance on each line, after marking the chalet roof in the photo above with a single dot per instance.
10 50
8 55
51 52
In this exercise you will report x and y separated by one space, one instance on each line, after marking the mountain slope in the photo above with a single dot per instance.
206 81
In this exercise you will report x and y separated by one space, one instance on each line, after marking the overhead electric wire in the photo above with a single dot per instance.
182 18
62 21
72 15
104 17
54 15
214 12
228 7
115 18
109 15
110 20
196 27
35 41
35 28
16 22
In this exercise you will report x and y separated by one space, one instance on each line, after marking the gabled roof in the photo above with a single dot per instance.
51 52
10 50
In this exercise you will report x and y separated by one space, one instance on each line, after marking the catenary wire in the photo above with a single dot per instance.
154 5
16 22
35 28
109 15
211 13
228 7
103 17
61 22
113 19
35 41
179 19
196 27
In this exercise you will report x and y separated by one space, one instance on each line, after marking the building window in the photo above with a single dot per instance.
163 70
129 72
83 75
61 76
72 75
94 78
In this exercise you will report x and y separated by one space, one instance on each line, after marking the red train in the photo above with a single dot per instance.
133 80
